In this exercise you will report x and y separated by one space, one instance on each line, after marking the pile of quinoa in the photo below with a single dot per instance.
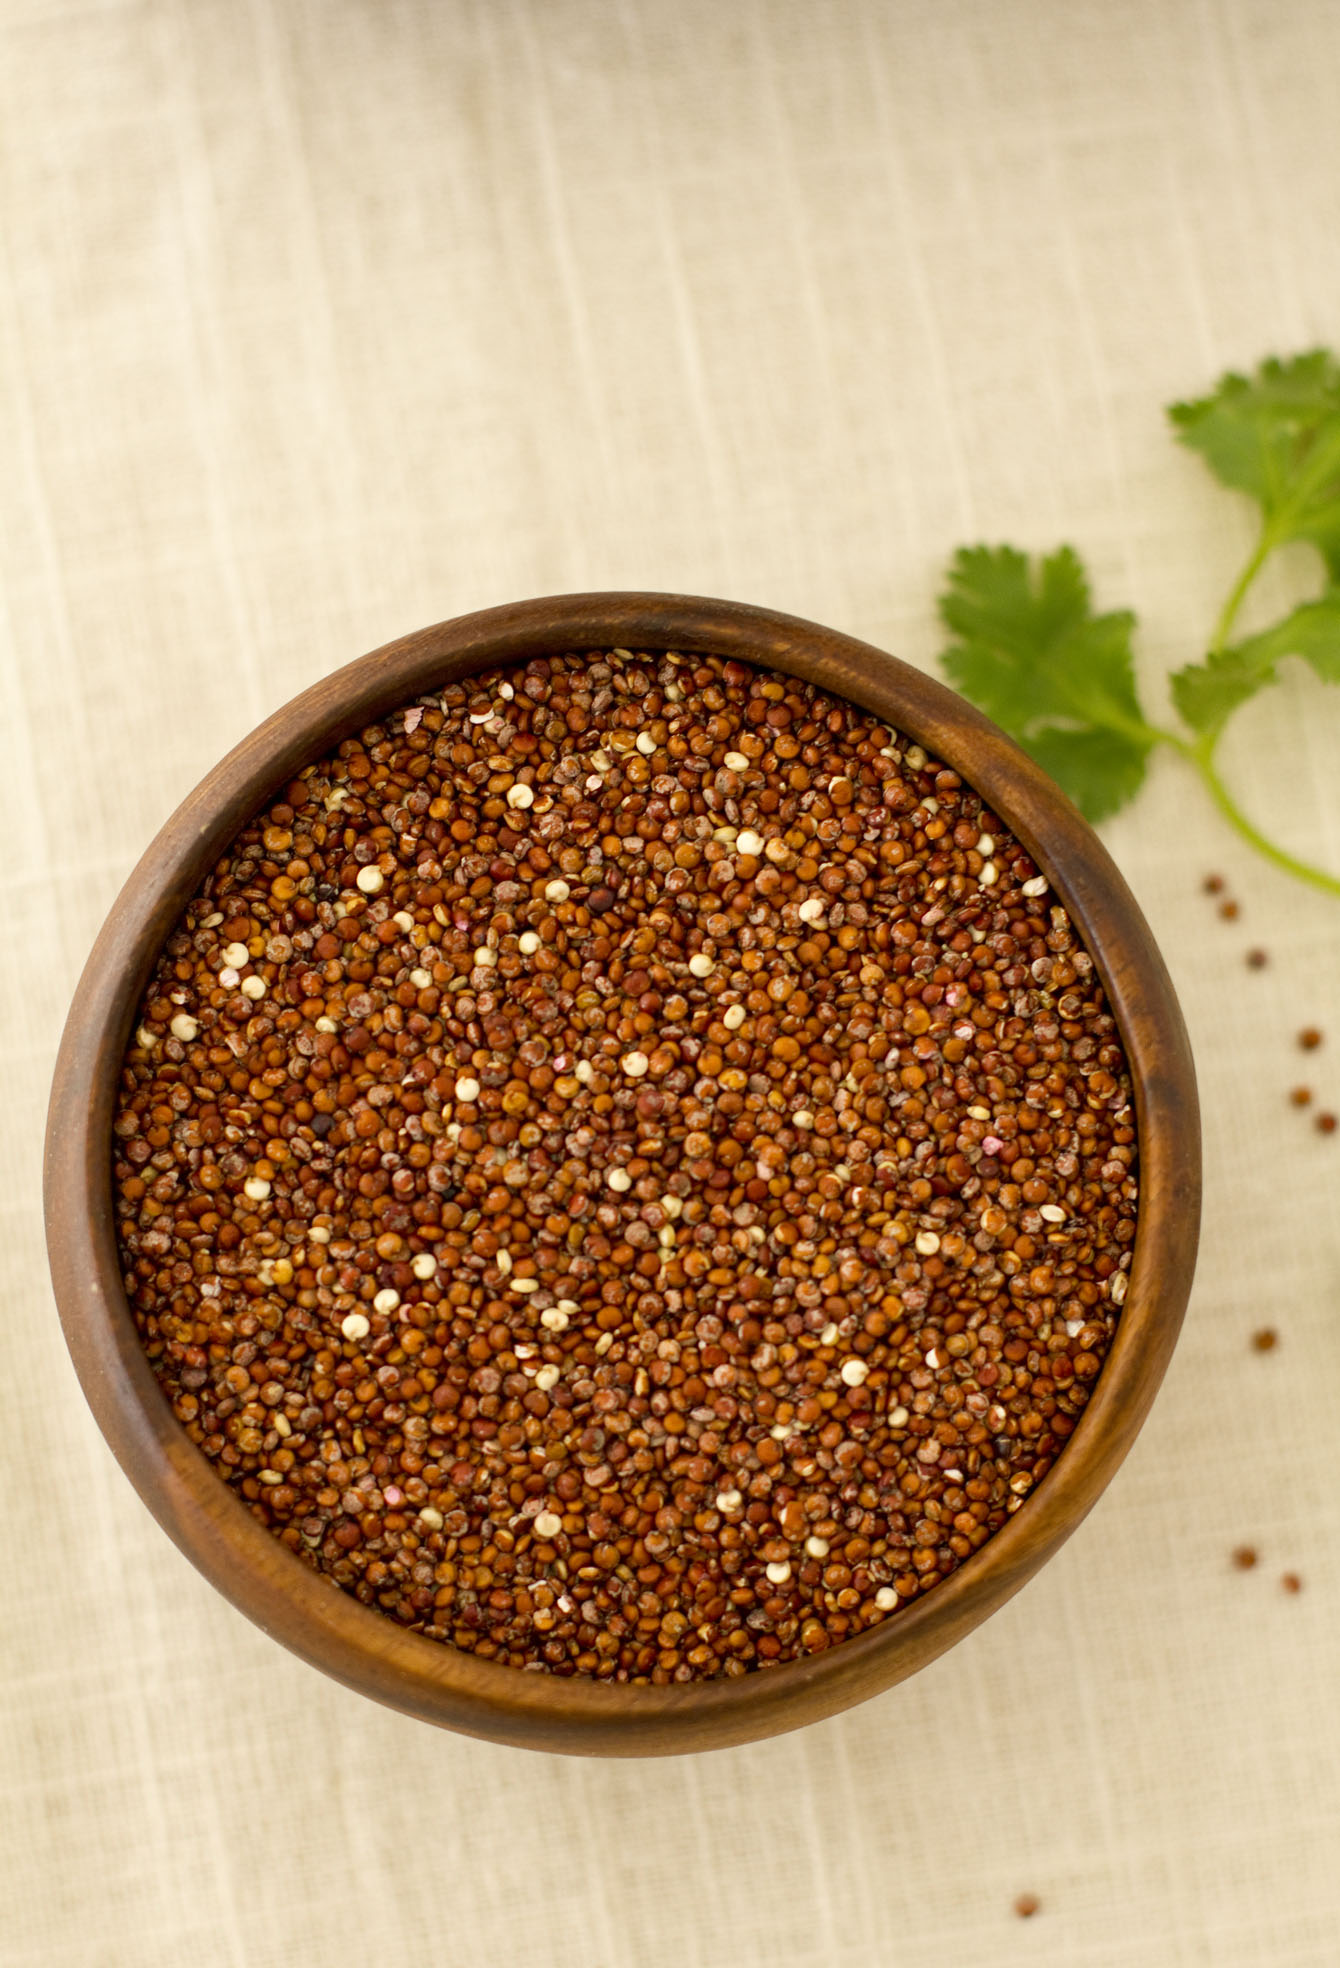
627 1168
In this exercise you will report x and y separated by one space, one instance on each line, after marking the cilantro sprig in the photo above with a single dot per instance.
1030 650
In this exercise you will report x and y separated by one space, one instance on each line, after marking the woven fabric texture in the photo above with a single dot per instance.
323 319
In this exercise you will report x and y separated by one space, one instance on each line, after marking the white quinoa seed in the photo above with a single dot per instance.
979 1113
829 1335
253 987
1036 886
700 964
430 1519
525 1286
184 1027
855 1373
145 1038
423 1265
403 920
569 1307
553 1320
927 1243
547 1524
256 1188
898 1417
778 1572
733 1017
467 1089
229 979
619 1180
556 891
386 1300
355 1325
635 1064
811 910
802 1118
749 842
528 942
548 1376
646 744
421 979
1052 1213
370 879
985 845
736 762
503 1260
584 1071
325 1025
885 1599
728 1500
816 1547
485 959
672 1205
520 796
236 956
989 875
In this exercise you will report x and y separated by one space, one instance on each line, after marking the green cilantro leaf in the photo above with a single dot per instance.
1032 654
1208 693
1276 436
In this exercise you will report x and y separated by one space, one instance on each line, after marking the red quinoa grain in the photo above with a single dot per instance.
1027 1905
1244 1557
627 1168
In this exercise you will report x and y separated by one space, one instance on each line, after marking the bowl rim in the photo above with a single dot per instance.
304 1610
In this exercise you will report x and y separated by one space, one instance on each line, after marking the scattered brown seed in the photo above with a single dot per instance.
657 1278
1244 1557
1257 960
1291 1582
1301 1096
1213 884
1309 1038
1229 911
1027 1905
1265 1340
1325 1123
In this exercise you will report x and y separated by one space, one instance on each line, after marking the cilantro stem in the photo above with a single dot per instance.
1202 757
1228 614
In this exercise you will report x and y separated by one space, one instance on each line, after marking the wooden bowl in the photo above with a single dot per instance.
328 1627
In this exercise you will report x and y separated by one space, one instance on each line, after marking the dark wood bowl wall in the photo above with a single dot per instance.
332 1630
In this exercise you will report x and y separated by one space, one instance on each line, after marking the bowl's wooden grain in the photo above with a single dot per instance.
303 1610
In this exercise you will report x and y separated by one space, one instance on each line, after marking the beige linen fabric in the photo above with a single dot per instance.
322 319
